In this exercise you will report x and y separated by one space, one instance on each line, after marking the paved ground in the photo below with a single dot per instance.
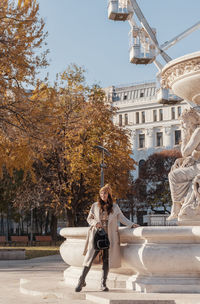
43 283
11 272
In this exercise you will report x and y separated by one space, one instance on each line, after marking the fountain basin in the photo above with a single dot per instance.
163 259
182 75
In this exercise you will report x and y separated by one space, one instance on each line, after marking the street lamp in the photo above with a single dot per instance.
102 165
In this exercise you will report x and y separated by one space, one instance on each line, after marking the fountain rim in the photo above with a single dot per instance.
155 232
181 59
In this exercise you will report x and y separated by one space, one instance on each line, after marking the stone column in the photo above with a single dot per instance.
167 137
149 140
134 141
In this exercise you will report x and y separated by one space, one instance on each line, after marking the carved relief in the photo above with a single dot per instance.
133 134
179 69
150 132
168 130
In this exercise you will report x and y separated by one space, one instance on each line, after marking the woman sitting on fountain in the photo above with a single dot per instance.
186 168
103 214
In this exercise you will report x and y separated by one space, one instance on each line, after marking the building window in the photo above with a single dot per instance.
154 115
120 120
137 118
141 141
142 94
125 96
177 137
159 139
161 114
173 113
126 119
143 117
179 111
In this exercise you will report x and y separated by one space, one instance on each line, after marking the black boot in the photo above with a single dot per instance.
103 285
81 282
105 271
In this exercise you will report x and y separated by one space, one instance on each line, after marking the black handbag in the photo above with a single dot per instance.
101 240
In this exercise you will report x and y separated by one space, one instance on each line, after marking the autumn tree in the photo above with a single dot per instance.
70 171
151 189
8 187
52 131
22 37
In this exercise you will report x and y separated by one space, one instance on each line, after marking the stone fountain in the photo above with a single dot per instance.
154 259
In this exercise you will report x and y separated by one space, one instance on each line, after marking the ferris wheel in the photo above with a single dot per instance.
144 47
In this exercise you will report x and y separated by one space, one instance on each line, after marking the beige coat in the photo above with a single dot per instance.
113 234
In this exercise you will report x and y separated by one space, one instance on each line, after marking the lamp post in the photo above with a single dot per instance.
102 165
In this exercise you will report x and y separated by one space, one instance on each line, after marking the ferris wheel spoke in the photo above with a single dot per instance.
148 29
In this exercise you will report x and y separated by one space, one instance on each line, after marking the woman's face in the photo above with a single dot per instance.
104 196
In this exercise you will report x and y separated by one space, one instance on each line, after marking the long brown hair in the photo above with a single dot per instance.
101 203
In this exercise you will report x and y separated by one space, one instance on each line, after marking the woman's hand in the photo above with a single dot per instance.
135 226
98 225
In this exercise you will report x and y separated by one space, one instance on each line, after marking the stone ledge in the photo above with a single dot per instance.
136 298
12 254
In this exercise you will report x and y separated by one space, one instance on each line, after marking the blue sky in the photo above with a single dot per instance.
80 32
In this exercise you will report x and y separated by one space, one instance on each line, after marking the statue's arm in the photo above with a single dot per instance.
192 144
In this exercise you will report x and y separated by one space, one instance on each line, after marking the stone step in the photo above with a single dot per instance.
53 289
118 297
48 288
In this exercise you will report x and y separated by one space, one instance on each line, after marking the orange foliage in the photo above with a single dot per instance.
21 118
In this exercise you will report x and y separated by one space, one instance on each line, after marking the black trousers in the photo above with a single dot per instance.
105 258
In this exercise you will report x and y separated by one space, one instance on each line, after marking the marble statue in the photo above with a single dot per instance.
184 177
191 207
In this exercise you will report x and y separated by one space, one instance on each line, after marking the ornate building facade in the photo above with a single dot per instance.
153 126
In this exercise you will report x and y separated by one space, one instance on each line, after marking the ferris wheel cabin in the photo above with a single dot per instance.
142 50
119 10
136 56
165 96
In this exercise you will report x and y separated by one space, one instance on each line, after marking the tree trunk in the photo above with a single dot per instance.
2 224
46 222
71 218
35 217
53 227
7 226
